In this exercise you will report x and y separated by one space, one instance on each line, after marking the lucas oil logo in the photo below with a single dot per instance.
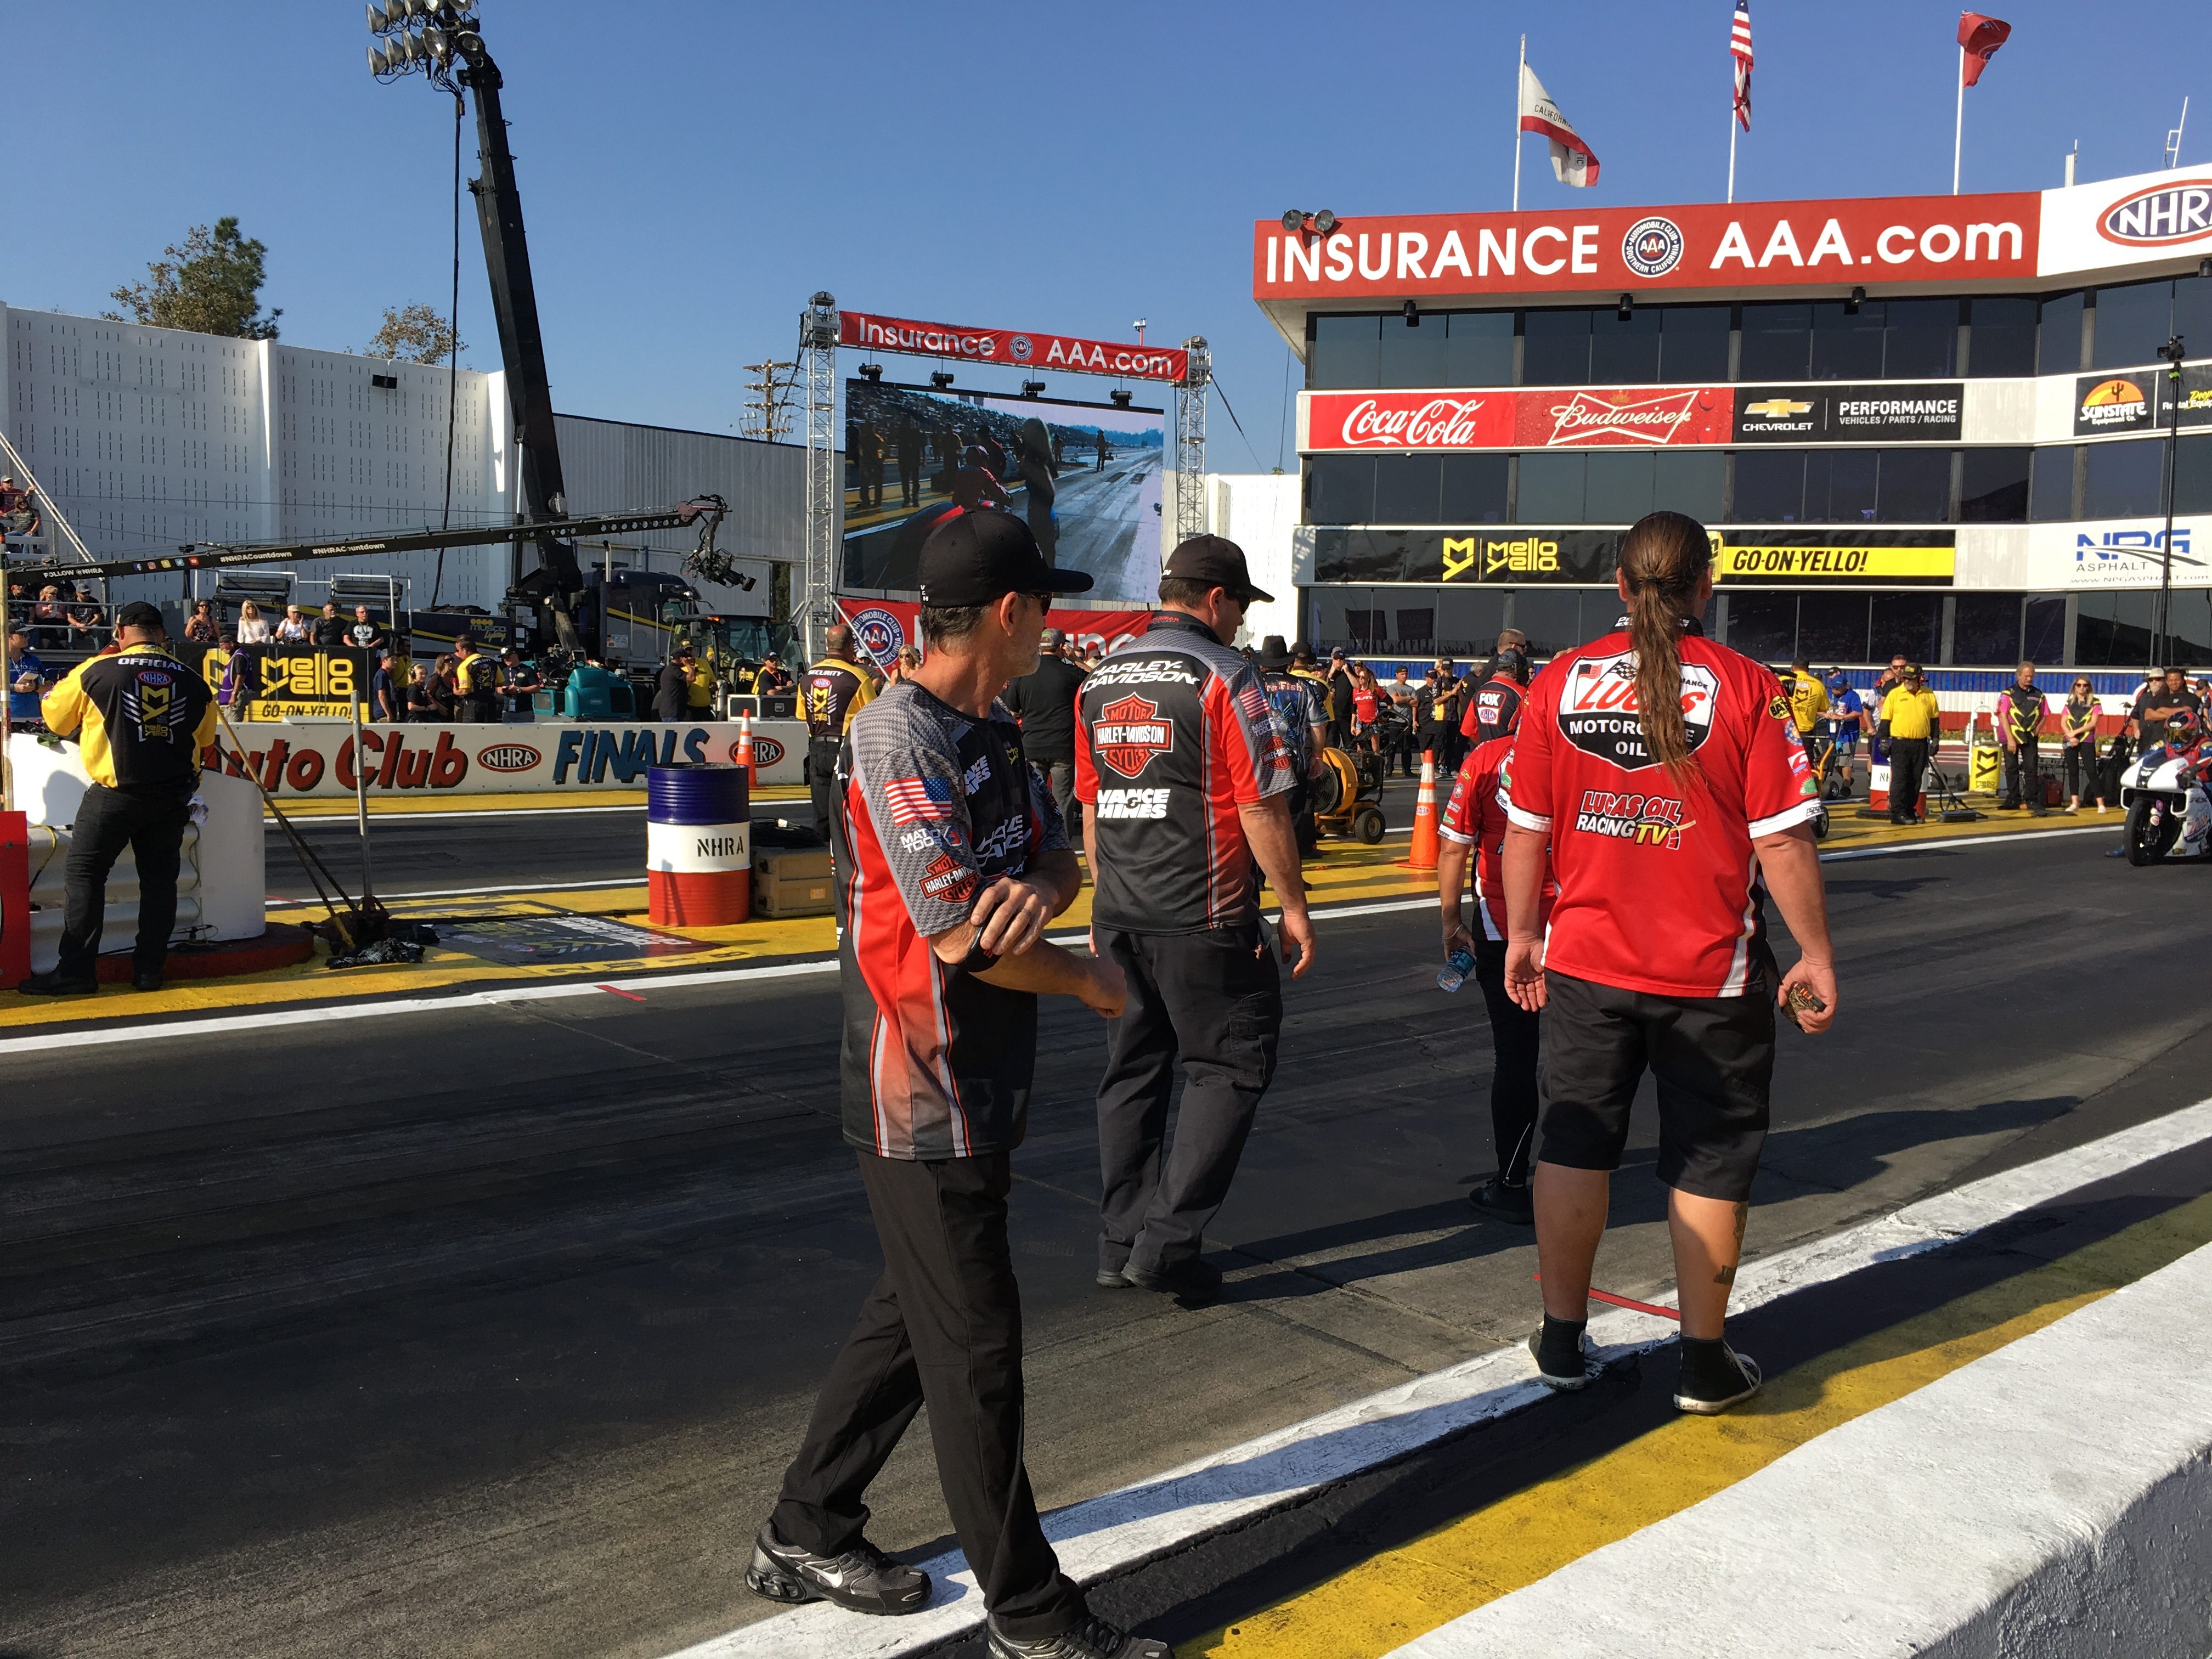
1598 709
1129 732
1645 820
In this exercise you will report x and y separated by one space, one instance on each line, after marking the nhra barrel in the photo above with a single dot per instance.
698 845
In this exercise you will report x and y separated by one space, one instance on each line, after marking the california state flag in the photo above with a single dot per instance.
1573 162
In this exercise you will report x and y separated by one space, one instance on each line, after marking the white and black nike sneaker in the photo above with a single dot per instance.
1094 1638
863 1579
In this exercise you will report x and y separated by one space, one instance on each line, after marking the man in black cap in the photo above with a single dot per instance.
1296 701
141 719
1186 777
954 863
1043 700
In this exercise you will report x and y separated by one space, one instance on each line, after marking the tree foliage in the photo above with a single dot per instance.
414 333
211 285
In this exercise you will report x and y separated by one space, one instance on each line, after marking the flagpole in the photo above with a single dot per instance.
1732 133
1959 128
1520 80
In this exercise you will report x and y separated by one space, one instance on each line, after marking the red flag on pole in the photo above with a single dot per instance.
1979 37
1739 49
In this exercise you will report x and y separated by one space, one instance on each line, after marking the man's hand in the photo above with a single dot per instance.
1524 972
1819 978
1010 916
1296 929
1457 937
1106 992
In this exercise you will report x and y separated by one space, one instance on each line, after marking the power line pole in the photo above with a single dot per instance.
767 412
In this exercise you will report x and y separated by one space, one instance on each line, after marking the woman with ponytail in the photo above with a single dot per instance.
1665 775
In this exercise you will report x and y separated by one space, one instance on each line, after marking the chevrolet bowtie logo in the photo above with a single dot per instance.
1776 409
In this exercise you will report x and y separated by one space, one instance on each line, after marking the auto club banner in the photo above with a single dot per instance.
882 626
422 760
1518 556
1631 417
1064 352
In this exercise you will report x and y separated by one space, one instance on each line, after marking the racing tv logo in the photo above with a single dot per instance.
1645 820
1598 709
1129 732
2158 217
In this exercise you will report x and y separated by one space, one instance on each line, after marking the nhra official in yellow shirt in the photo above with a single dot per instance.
141 718
1915 728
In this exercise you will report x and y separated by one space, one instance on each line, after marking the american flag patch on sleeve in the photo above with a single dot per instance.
912 799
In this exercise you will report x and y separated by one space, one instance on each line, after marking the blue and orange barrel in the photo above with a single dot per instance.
698 845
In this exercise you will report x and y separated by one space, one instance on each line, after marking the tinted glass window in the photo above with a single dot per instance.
2112 630
1407 488
1839 486
1479 347
2132 323
1473 489
1694 344
2192 313
1985 629
1763 625
1341 489
1911 623
1469 621
1415 627
1344 351
2192 480
1552 620
1831 627
1921 340
1550 490
1777 342
2125 480
1993 488
1769 487
1413 354
1916 486
2189 623
2058 338
1555 349
1847 343
2045 641
2002 337
1625 353
1618 490
1690 483
2051 495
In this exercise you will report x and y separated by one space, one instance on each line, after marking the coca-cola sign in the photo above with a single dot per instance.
1416 420
1528 417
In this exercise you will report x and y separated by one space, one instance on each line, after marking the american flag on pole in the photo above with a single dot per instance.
912 799
1739 49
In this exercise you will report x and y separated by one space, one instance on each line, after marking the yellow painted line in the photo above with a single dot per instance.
1403 1593
540 800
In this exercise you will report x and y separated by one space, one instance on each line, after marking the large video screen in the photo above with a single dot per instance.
1086 476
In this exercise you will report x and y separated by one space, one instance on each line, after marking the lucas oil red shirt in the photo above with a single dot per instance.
1173 734
936 804
1475 816
1659 887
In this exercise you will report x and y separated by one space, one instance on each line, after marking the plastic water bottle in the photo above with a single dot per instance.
1457 968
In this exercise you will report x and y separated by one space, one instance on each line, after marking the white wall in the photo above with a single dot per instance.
1258 512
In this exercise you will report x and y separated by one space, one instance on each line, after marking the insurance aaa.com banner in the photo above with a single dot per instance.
1012 347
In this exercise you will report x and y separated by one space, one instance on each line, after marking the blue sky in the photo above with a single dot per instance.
692 170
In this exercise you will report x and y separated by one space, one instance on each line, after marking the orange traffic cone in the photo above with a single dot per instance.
745 755
1423 854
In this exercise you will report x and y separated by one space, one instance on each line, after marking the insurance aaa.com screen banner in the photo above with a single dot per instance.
1012 347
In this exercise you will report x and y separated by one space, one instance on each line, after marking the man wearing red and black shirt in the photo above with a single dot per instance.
950 861
1185 777
1493 708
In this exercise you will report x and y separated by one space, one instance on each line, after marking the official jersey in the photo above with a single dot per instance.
1298 708
1659 887
832 692
1173 733
141 718
1808 701
474 676
1913 716
2020 708
1475 816
1492 710
936 804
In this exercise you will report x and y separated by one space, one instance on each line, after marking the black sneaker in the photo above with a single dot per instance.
863 1579
1563 1380
1708 1397
1194 1280
1501 1201
51 984
146 980
1113 1279
1094 1638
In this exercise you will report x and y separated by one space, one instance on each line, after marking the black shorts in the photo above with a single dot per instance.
1714 1060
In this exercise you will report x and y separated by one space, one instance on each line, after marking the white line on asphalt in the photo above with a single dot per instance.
471 892
1123 1529
312 820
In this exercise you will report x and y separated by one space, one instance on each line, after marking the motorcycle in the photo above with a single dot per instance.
2169 814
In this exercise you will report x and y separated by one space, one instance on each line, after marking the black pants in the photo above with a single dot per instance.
1514 1040
2080 763
151 823
822 781
1908 765
479 709
943 1326
2023 776
1059 780
1207 1000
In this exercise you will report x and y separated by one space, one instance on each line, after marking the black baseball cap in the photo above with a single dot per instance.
139 614
979 555
1217 562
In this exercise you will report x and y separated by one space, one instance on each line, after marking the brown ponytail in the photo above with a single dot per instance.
1663 558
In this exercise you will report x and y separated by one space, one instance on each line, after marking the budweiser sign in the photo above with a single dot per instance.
1523 418
1012 347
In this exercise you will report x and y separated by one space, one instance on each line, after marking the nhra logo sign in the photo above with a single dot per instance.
2160 216
508 757
1129 732
1598 709
767 751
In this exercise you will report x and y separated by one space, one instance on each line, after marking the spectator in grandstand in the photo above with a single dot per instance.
421 704
363 635
329 629
26 678
384 703
293 629
201 627
252 626
2077 723
50 619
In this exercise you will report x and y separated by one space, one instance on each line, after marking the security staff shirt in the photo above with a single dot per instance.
1913 716
2021 708
936 804
834 691
1475 818
1492 711
1659 887
1173 733
1808 701
140 718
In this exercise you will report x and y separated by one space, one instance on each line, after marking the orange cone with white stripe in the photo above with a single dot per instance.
1423 854
744 752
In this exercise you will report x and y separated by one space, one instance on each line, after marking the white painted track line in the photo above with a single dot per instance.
1125 1529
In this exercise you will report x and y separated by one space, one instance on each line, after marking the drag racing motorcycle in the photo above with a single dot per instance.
2169 814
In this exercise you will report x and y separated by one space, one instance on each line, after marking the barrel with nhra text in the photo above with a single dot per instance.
698 845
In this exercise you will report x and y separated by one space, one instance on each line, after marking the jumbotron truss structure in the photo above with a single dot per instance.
1191 517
